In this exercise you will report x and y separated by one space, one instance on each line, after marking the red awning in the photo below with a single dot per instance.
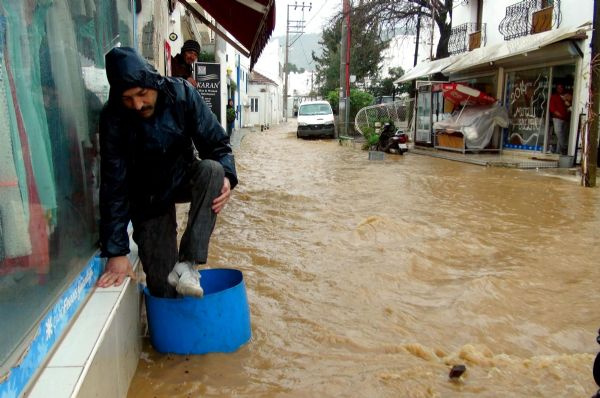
460 94
250 22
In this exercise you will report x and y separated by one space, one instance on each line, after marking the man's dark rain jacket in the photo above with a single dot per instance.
145 162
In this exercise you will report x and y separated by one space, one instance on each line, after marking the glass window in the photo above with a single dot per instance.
254 104
52 88
526 99
314 109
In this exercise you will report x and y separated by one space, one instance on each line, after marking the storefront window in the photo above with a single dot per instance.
527 103
52 88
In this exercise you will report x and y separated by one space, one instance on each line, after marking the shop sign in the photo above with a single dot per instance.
527 111
208 78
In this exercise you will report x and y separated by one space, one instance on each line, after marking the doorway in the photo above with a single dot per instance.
559 109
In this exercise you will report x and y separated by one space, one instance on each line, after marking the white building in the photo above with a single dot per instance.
264 101
519 52
270 66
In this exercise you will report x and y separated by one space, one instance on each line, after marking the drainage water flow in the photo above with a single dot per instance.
375 279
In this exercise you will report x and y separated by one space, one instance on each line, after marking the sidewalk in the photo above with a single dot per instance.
528 164
238 135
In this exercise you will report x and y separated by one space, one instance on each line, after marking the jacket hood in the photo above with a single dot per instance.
125 69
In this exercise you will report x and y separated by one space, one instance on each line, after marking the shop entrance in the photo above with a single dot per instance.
559 109
534 98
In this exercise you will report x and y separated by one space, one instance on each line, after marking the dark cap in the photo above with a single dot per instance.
191 45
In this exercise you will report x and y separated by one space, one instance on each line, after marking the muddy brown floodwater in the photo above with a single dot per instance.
373 278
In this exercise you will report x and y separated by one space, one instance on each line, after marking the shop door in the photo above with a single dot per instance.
559 109
423 122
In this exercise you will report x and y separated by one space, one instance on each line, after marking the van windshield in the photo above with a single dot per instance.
314 109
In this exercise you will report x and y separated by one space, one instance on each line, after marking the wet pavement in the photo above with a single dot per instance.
377 278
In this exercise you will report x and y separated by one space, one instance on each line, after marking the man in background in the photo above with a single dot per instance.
559 111
182 65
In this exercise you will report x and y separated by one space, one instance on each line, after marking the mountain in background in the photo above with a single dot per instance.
301 50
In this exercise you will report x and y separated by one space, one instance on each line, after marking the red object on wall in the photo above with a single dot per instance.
460 94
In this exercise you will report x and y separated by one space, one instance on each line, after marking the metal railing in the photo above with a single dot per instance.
466 37
399 112
529 17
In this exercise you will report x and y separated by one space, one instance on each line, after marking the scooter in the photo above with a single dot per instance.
392 142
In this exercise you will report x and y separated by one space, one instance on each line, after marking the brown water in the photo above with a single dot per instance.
371 279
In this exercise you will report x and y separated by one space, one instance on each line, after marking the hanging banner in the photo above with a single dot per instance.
208 78
167 59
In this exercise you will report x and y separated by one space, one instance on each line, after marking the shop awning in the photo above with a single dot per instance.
427 68
522 45
250 22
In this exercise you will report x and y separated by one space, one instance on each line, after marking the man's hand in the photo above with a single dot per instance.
117 269
219 203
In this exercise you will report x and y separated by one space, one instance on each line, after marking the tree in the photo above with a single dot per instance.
391 17
292 68
386 86
365 54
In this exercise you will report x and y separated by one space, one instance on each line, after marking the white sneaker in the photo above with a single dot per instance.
185 279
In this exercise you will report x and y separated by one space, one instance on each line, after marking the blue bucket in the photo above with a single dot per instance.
218 322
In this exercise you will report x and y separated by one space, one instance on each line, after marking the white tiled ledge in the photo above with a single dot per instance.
99 354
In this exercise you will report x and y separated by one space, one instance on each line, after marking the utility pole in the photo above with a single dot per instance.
590 142
416 57
432 30
417 38
292 27
344 105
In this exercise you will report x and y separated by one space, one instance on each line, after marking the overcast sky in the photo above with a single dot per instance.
320 12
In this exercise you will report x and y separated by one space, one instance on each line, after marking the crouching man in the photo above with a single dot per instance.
148 130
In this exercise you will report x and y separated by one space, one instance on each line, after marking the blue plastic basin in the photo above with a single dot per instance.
218 322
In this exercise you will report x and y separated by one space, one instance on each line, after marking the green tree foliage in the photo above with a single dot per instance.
358 100
206 57
292 68
386 86
333 97
365 53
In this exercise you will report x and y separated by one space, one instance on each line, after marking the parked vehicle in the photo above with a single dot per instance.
315 119
392 141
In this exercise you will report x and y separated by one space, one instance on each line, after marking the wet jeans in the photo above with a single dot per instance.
561 135
157 237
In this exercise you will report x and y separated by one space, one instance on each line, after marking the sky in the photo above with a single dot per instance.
315 18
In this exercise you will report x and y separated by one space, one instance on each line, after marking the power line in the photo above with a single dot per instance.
296 27
318 12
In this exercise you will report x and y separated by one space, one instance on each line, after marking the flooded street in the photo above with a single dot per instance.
372 278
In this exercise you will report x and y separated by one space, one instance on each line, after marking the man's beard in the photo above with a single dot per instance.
146 111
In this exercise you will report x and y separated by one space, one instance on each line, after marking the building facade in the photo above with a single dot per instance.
264 101
533 56
52 88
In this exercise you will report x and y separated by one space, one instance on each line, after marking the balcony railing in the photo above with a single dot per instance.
529 17
466 37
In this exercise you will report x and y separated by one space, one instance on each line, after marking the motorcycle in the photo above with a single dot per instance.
392 142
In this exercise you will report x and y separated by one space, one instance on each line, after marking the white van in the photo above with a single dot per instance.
315 119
